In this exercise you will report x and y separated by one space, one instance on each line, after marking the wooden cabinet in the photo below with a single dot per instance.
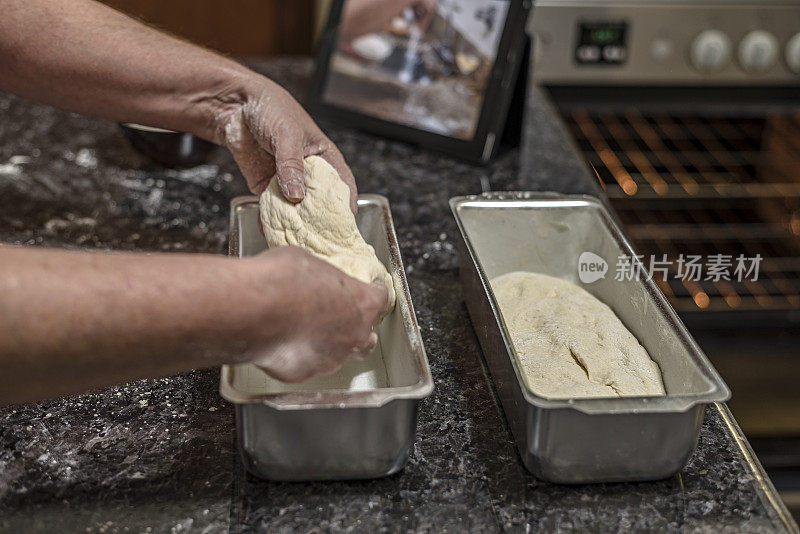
235 27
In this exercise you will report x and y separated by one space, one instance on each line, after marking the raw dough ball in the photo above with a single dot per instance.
569 344
322 224
372 47
467 63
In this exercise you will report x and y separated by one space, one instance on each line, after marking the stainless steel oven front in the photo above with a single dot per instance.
688 114
694 42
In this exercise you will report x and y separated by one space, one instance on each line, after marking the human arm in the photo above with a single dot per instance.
72 321
86 57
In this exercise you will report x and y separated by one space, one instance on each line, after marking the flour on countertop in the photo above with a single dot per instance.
14 165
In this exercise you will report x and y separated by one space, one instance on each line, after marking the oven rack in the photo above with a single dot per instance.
688 184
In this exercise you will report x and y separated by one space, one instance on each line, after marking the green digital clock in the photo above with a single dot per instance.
604 35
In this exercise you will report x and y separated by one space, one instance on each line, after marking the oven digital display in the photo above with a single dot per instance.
601 43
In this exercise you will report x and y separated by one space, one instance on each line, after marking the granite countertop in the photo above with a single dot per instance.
159 455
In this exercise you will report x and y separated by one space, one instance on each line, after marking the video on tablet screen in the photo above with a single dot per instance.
424 63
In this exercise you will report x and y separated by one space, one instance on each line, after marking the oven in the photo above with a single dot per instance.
688 115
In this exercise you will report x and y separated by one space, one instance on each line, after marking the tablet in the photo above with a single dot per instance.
436 73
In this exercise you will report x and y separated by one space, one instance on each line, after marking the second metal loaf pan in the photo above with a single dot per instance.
581 440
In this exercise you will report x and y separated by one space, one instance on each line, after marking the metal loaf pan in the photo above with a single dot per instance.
581 440
359 422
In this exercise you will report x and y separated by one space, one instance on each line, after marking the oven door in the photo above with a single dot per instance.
693 176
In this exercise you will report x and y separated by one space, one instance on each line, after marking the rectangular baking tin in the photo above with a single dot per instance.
332 434
582 440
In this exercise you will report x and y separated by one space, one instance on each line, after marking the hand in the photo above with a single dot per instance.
325 318
270 133
423 12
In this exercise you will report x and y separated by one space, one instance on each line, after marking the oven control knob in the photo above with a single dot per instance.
758 51
793 54
711 51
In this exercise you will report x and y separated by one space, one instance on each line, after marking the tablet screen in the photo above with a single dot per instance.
424 64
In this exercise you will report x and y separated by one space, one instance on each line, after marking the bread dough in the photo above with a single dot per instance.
372 46
467 63
569 344
322 224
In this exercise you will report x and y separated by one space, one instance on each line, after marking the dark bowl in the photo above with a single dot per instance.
167 147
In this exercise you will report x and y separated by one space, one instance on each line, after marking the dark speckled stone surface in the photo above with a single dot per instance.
159 455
